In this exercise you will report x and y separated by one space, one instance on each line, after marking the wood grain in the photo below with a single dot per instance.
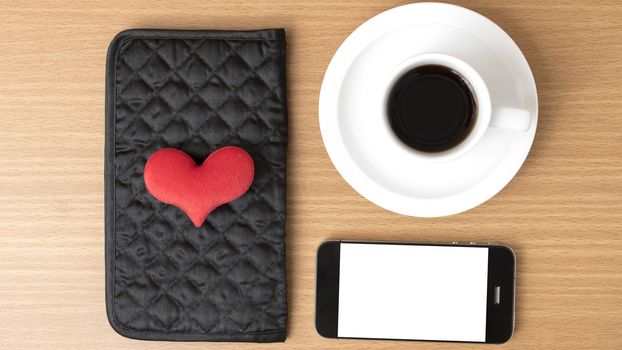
562 213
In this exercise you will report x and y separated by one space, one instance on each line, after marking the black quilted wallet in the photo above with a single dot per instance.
196 91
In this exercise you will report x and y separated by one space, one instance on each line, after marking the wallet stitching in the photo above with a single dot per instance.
225 277
122 46
233 52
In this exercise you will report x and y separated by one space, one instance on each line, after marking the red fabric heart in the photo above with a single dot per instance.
173 177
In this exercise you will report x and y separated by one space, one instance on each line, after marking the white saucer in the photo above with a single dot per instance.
372 161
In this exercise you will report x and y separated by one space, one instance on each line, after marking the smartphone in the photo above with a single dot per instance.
409 291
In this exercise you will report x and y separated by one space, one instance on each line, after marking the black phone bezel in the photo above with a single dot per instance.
501 273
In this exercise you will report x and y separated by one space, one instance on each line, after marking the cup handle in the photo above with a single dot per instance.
510 118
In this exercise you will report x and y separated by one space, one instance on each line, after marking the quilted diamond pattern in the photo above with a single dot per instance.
197 92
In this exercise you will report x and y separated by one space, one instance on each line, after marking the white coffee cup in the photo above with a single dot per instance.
488 115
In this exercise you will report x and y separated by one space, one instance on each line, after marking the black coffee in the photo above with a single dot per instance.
431 108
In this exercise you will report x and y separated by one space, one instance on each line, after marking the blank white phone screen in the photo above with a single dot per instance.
393 291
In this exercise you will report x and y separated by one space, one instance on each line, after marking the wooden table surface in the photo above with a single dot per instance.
562 213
